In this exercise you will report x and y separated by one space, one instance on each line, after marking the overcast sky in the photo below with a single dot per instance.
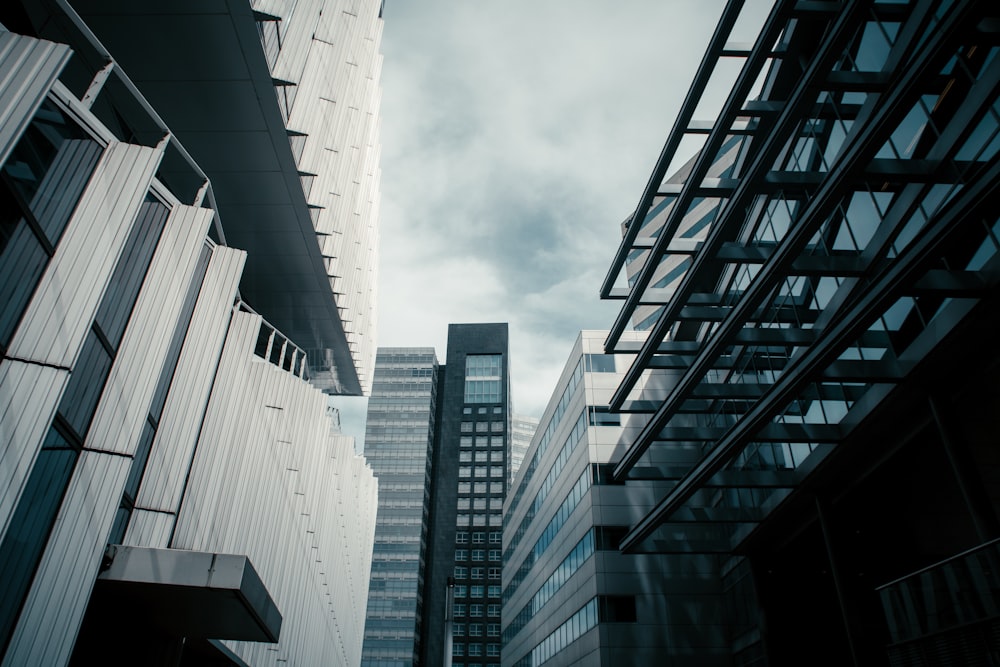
516 136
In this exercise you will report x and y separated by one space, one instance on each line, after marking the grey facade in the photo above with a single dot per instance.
454 442
570 597
471 468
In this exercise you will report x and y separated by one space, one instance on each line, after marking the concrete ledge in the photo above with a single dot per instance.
190 593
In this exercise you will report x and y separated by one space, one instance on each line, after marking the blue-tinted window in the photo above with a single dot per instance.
600 363
483 378
40 185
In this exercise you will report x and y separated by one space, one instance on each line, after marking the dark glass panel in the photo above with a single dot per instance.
40 185
139 461
30 525
85 385
126 281
50 167
22 262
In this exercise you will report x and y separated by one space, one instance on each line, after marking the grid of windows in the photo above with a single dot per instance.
563 636
483 378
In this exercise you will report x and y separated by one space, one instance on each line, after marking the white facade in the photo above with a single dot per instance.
327 72
142 402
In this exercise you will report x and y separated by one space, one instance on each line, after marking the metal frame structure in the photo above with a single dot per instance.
856 236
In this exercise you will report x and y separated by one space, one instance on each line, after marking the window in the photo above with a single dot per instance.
475 649
480 487
616 609
466 410
482 441
477 555
498 409
496 456
496 538
478 519
461 538
464 487
477 572
496 487
479 503
461 572
481 471
461 554
47 170
459 610
465 471
493 610
601 416
460 591
463 503
465 457
465 441
494 572
496 519
495 554
493 650
458 648
600 363
462 520
482 378
481 411
496 471
480 538
481 427
496 441
466 427
481 456
492 629
475 611
458 630
494 591
475 629
477 591
496 427
496 504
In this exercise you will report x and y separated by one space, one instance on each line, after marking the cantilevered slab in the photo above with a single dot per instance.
201 65
190 593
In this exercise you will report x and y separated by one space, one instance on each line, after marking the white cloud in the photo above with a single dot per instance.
516 137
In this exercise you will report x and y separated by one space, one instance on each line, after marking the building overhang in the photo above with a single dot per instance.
189 593
201 65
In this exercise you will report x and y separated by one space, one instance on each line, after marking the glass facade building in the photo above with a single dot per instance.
569 596
826 357
399 444
435 592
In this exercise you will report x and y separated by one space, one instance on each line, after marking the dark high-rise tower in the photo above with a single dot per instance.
439 440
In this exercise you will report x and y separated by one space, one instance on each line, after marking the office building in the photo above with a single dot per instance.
522 429
399 443
828 355
569 596
443 470
171 489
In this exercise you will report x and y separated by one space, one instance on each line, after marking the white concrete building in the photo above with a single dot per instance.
170 489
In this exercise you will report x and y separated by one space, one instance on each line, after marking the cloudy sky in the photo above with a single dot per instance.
516 136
